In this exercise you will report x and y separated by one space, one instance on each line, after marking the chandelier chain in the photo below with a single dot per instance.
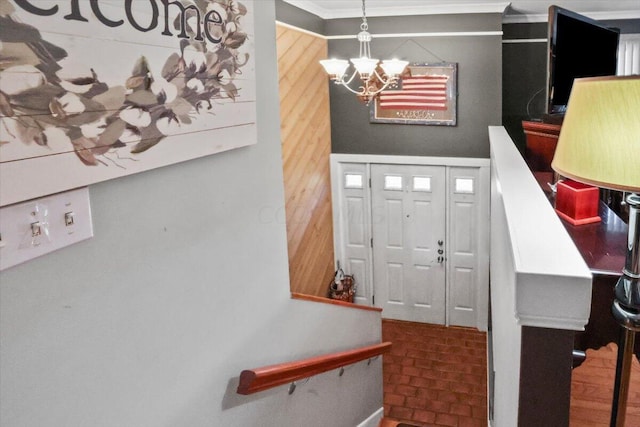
364 26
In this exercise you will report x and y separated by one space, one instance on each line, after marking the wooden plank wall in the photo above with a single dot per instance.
306 145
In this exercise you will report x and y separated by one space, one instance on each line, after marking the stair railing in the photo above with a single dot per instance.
259 379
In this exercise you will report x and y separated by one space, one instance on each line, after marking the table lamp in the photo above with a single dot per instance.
599 145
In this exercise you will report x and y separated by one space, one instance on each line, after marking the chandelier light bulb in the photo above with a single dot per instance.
393 67
335 67
365 66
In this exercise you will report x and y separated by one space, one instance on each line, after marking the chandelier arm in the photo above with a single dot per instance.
348 82
343 83
386 82
377 91
364 89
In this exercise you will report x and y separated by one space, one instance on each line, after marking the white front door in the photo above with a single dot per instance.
408 228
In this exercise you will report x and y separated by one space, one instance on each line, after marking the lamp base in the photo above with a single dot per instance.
626 311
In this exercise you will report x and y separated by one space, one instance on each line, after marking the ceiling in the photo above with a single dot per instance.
514 11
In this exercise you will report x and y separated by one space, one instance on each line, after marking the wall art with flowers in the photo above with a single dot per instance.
93 90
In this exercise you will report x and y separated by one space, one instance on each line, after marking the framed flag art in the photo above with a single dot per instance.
425 95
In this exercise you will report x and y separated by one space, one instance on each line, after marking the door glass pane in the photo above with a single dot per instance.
421 183
392 182
353 180
464 185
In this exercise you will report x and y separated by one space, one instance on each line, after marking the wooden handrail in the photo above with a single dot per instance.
259 379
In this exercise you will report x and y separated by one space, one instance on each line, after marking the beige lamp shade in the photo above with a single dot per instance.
599 141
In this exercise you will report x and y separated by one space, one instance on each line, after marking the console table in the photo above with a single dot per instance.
602 245
542 139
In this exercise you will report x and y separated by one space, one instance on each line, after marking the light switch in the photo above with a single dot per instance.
68 219
36 227
36 230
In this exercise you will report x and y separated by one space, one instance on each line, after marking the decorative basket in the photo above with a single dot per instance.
342 287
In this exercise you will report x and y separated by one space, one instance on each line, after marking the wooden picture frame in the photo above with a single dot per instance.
426 94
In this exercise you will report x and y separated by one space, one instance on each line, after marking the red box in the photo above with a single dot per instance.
576 202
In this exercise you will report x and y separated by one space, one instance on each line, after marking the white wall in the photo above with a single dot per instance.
184 285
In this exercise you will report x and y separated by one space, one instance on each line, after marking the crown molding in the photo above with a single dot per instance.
356 12
598 16
509 15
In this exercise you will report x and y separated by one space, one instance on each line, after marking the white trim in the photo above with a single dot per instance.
445 9
372 11
550 322
515 41
394 35
410 160
524 19
373 420
598 16
308 6
302 30
408 35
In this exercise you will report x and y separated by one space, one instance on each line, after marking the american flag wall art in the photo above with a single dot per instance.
419 92
425 95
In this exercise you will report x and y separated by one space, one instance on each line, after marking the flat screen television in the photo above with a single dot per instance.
578 47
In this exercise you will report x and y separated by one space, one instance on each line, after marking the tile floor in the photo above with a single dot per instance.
435 376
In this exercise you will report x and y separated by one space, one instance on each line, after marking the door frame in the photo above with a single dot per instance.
483 165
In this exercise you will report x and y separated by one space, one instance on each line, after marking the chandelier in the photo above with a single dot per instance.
365 67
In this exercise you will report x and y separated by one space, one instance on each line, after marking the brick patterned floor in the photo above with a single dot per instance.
434 375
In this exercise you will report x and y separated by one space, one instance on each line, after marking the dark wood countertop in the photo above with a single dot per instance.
601 244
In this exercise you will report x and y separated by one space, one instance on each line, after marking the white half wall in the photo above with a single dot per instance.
538 277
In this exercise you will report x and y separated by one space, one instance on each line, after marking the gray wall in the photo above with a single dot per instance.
494 87
479 61
297 17
524 77
184 285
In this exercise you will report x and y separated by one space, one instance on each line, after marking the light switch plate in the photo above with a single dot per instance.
40 226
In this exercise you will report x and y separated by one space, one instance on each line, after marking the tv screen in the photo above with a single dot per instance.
578 47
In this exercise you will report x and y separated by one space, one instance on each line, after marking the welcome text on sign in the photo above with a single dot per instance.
203 29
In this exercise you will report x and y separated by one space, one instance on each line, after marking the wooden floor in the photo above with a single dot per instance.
592 390
436 376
